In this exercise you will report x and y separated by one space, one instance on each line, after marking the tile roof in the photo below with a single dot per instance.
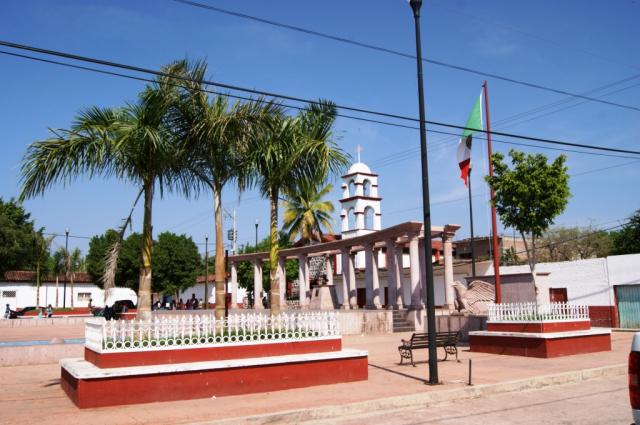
30 276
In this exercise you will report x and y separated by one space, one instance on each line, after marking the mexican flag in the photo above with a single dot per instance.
464 145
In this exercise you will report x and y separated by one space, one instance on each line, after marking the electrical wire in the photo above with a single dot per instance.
292 98
399 53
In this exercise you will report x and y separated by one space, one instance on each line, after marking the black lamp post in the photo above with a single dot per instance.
206 271
426 208
66 267
256 233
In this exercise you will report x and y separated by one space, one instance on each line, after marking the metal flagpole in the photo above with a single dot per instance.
473 251
494 223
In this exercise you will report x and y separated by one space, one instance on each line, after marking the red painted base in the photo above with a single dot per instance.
540 327
539 347
112 391
204 354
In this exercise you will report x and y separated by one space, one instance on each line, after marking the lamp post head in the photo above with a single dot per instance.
66 230
415 5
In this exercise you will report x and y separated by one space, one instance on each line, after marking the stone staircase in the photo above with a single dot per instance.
400 323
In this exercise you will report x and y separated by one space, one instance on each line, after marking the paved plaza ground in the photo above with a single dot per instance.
32 394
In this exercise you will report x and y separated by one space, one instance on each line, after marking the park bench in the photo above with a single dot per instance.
418 341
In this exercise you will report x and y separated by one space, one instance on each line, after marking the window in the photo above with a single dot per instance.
84 296
366 188
368 218
351 216
8 294
352 188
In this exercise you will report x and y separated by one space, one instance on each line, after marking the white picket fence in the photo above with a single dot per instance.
205 330
522 312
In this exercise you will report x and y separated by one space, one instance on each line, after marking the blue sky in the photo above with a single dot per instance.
571 45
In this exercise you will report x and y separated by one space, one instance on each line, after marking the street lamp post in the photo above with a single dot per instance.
426 208
256 233
66 267
206 271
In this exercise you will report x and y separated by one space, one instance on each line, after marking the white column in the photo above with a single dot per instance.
372 284
401 302
257 284
328 267
282 276
448 270
307 281
233 285
414 257
392 275
353 291
344 257
423 269
302 279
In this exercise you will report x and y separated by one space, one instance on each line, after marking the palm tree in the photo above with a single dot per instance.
289 151
306 214
134 143
58 266
217 133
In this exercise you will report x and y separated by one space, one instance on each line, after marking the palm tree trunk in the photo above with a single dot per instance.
72 274
273 255
144 283
38 284
221 298
57 292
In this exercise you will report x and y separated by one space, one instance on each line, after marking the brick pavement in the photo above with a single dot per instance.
27 386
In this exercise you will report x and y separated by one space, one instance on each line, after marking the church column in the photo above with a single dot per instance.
233 285
302 279
414 257
423 269
448 270
328 267
353 288
282 276
400 280
371 277
257 284
392 275
344 257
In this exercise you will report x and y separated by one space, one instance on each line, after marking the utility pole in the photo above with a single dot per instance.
256 233
426 207
66 267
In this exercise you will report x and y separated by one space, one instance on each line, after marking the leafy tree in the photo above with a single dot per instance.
292 150
627 239
306 214
127 274
245 268
135 143
509 257
176 263
530 196
571 243
99 246
21 245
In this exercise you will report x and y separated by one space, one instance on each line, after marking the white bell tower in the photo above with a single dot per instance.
360 202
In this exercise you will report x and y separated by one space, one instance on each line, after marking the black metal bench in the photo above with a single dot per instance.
418 341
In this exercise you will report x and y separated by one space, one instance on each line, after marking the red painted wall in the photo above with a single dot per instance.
538 327
539 347
208 383
604 316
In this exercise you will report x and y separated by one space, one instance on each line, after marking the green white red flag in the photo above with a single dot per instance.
474 123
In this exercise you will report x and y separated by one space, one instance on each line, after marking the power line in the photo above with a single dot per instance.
287 97
399 53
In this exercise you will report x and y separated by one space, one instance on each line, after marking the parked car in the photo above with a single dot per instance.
122 306
634 377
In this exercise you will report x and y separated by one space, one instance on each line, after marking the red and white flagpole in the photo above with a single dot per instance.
494 222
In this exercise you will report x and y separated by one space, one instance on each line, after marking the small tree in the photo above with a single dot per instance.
627 239
530 196
176 263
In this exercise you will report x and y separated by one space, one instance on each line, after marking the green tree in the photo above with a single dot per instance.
177 261
530 196
305 213
99 246
245 268
292 150
21 244
216 131
627 239
129 260
574 243
135 143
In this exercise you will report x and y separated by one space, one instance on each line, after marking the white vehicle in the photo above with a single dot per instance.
119 294
634 377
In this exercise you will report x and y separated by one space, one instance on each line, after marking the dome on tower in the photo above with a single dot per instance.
359 167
